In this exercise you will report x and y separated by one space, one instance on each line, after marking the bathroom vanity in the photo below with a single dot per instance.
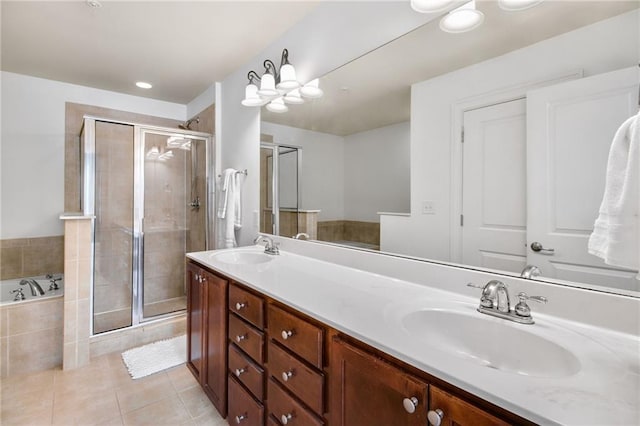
290 339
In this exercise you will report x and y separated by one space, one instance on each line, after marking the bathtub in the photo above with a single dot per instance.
7 297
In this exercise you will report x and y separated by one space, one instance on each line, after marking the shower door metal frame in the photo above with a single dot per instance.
88 202
275 182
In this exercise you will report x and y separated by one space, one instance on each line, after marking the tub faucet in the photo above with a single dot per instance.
34 286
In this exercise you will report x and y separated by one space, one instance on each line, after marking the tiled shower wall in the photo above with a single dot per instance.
28 257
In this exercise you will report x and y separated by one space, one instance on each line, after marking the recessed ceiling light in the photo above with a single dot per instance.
515 5
94 3
144 85
463 19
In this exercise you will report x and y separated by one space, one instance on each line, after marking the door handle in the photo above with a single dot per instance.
538 248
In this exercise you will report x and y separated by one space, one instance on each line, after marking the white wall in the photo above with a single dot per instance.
322 168
601 47
376 172
331 35
32 147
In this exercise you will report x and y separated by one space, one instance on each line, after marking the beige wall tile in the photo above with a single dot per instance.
69 358
70 322
35 316
4 358
11 263
114 342
71 279
70 240
4 321
35 351
84 317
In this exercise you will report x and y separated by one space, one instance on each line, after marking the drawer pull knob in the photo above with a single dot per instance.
284 419
286 334
239 371
240 418
240 305
435 417
240 338
410 404
286 375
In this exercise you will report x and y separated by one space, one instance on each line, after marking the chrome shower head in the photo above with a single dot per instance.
187 124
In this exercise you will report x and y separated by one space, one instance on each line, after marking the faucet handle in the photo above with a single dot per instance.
522 309
481 287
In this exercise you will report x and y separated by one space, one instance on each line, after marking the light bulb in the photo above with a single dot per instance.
267 86
430 6
277 105
293 97
516 5
288 78
311 90
251 97
463 19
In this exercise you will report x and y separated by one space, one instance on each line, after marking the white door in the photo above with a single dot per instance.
570 127
494 187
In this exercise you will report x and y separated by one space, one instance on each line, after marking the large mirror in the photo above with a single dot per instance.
486 149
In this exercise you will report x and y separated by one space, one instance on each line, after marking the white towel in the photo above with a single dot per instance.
229 208
616 236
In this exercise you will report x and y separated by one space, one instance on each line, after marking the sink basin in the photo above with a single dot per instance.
491 342
243 257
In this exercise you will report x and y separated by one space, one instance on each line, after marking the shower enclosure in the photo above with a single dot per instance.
280 171
148 188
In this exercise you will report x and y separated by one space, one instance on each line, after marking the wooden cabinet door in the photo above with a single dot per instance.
456 412
194 320
215 353
366 390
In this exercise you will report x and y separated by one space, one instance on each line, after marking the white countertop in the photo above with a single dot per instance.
370 307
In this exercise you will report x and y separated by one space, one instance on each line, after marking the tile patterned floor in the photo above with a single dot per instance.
103 393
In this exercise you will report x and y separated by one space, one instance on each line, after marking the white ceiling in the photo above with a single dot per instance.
180 47
375 90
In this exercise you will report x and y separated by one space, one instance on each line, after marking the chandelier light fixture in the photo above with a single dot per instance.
278 87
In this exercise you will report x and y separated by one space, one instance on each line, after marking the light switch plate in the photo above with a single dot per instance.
428 207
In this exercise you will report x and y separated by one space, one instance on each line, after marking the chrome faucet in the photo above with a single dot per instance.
34 286
301 235
530 272
270 247
495 302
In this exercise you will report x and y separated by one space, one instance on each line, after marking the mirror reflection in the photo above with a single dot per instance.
487 149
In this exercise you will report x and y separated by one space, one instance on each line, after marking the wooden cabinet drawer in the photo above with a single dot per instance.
303 381
458 412
247 305
284 408
272 422
247 338
300 336
246 371
243 409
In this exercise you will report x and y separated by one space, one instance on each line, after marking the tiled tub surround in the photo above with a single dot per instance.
358 233
31 336
367 303
25 257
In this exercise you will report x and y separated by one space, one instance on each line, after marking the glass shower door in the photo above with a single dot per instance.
174 214
113 228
